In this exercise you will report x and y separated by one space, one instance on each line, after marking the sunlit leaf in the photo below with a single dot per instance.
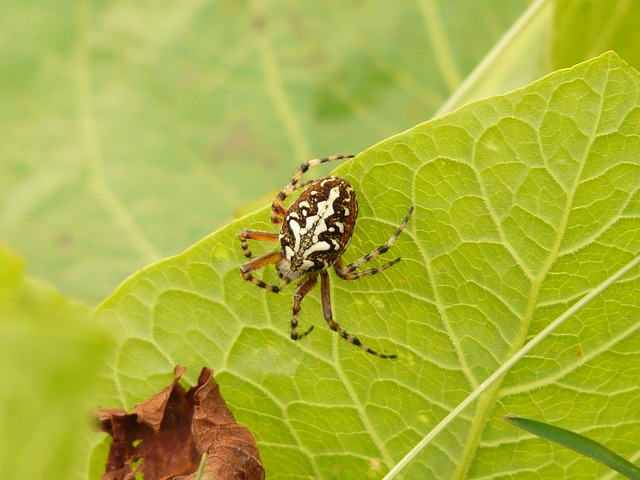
523 203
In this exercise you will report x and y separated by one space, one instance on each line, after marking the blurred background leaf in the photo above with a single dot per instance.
50 359
583 29
132 129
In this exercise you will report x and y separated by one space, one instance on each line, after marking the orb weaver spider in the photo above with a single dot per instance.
316 230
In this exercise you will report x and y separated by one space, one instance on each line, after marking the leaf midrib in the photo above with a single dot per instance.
487 401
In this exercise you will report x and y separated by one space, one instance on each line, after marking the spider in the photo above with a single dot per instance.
315 231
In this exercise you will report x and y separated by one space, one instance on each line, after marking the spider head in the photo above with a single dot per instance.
286 272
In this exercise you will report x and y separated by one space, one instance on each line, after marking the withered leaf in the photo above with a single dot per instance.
166 436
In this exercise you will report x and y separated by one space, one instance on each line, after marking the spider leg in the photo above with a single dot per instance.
341 271
302 185
256 264
301 292
328 316
347 273
278 212
259 235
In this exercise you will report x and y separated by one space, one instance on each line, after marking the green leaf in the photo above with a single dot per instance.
50 356
523 204
579 443
131 131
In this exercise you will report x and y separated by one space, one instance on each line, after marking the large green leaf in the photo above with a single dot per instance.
523 203
50 357
130 130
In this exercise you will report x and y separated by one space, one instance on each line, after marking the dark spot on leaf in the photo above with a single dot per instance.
165 436
64 240
259 22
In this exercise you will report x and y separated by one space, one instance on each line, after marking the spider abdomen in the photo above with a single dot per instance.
318 227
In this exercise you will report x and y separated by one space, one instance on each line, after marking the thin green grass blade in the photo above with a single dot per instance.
579 443
201 467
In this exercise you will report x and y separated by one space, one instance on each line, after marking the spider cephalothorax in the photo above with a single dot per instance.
316 229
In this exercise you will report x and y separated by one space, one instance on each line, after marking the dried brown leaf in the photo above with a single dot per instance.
166 436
